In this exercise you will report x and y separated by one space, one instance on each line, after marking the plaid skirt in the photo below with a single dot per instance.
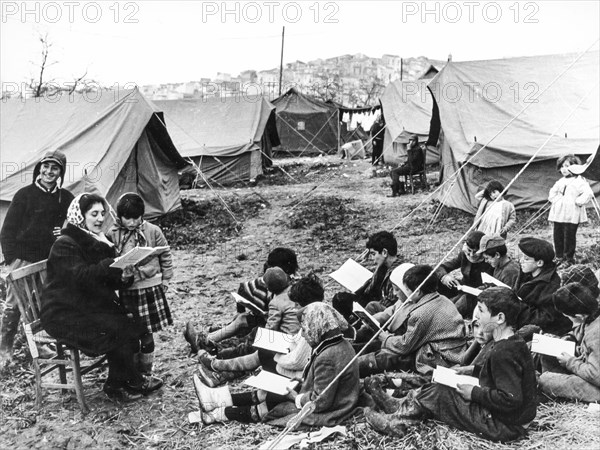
150 305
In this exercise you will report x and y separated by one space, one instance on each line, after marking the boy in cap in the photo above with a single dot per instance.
32 224
471 265
493 249
414 164
538 281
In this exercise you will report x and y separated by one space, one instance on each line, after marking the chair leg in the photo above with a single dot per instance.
38 383
75 365
62 370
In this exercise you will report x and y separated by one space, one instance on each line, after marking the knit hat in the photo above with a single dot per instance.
490 241
397 276
276 280
581 273
573 299
537 249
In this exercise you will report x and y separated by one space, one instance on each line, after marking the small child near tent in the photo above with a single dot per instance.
568 196
146 296
494 218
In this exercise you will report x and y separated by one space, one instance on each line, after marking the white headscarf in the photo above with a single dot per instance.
75 217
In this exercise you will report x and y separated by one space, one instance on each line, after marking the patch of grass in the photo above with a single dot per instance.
202 222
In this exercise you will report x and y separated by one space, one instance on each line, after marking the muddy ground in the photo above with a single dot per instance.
324 208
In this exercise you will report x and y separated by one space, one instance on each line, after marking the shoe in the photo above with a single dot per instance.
198 340
45 351
120 393
208 376
145 363
146 386
205 358
385 402
215 416
386 424
211 398
393 194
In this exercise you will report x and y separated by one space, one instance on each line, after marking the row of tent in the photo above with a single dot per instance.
470 114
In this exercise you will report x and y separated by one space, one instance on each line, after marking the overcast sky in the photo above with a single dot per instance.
157 42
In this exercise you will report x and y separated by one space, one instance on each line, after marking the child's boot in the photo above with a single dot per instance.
211 398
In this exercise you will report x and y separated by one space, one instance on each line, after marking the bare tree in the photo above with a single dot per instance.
370 90
39 86
328 87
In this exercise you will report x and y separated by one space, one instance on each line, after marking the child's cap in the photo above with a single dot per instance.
537 249
397 275
490 241
573 299
276 280
580 273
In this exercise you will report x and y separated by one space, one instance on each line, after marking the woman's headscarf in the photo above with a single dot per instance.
75 217
319 318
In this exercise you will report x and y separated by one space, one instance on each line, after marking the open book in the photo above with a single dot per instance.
551 346
254 309
272 340
469 290
367 318
351 275
449 377
487 278
136 255
271 382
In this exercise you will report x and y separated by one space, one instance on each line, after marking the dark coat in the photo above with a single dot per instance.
537 306
27 229
327 361
471 272
79 303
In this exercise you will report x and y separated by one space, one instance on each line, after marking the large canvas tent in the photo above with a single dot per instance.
305 124
229 139
407 108
115 142
480 104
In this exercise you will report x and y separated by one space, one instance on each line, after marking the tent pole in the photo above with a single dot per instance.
338 130
281 61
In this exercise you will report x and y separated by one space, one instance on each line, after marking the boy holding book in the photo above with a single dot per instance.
503 404
425 331
493 249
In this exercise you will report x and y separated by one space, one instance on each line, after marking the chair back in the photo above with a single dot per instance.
28 284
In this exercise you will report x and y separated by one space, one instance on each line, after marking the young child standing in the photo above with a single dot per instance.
568 196
494 218
146 296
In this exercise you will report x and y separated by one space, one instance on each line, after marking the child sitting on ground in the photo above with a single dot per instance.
322 329
538 282
577 377
503 404
146 296
245 322
493 249
426 330
471 266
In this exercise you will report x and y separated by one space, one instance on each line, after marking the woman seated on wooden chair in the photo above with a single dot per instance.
79 305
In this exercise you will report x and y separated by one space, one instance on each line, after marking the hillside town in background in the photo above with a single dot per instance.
353 80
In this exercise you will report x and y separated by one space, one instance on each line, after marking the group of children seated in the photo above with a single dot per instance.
423 317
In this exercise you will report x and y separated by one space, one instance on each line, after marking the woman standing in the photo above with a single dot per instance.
568 196
79 303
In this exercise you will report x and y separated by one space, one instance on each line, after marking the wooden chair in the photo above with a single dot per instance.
27 283
409 180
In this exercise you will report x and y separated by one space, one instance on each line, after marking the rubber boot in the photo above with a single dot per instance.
386 403
240 364
211 398
387 424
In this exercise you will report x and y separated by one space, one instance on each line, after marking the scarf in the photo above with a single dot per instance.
317 319
75 217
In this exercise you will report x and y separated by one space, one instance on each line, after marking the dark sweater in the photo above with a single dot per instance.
537 307
27 230
471 272
507 385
